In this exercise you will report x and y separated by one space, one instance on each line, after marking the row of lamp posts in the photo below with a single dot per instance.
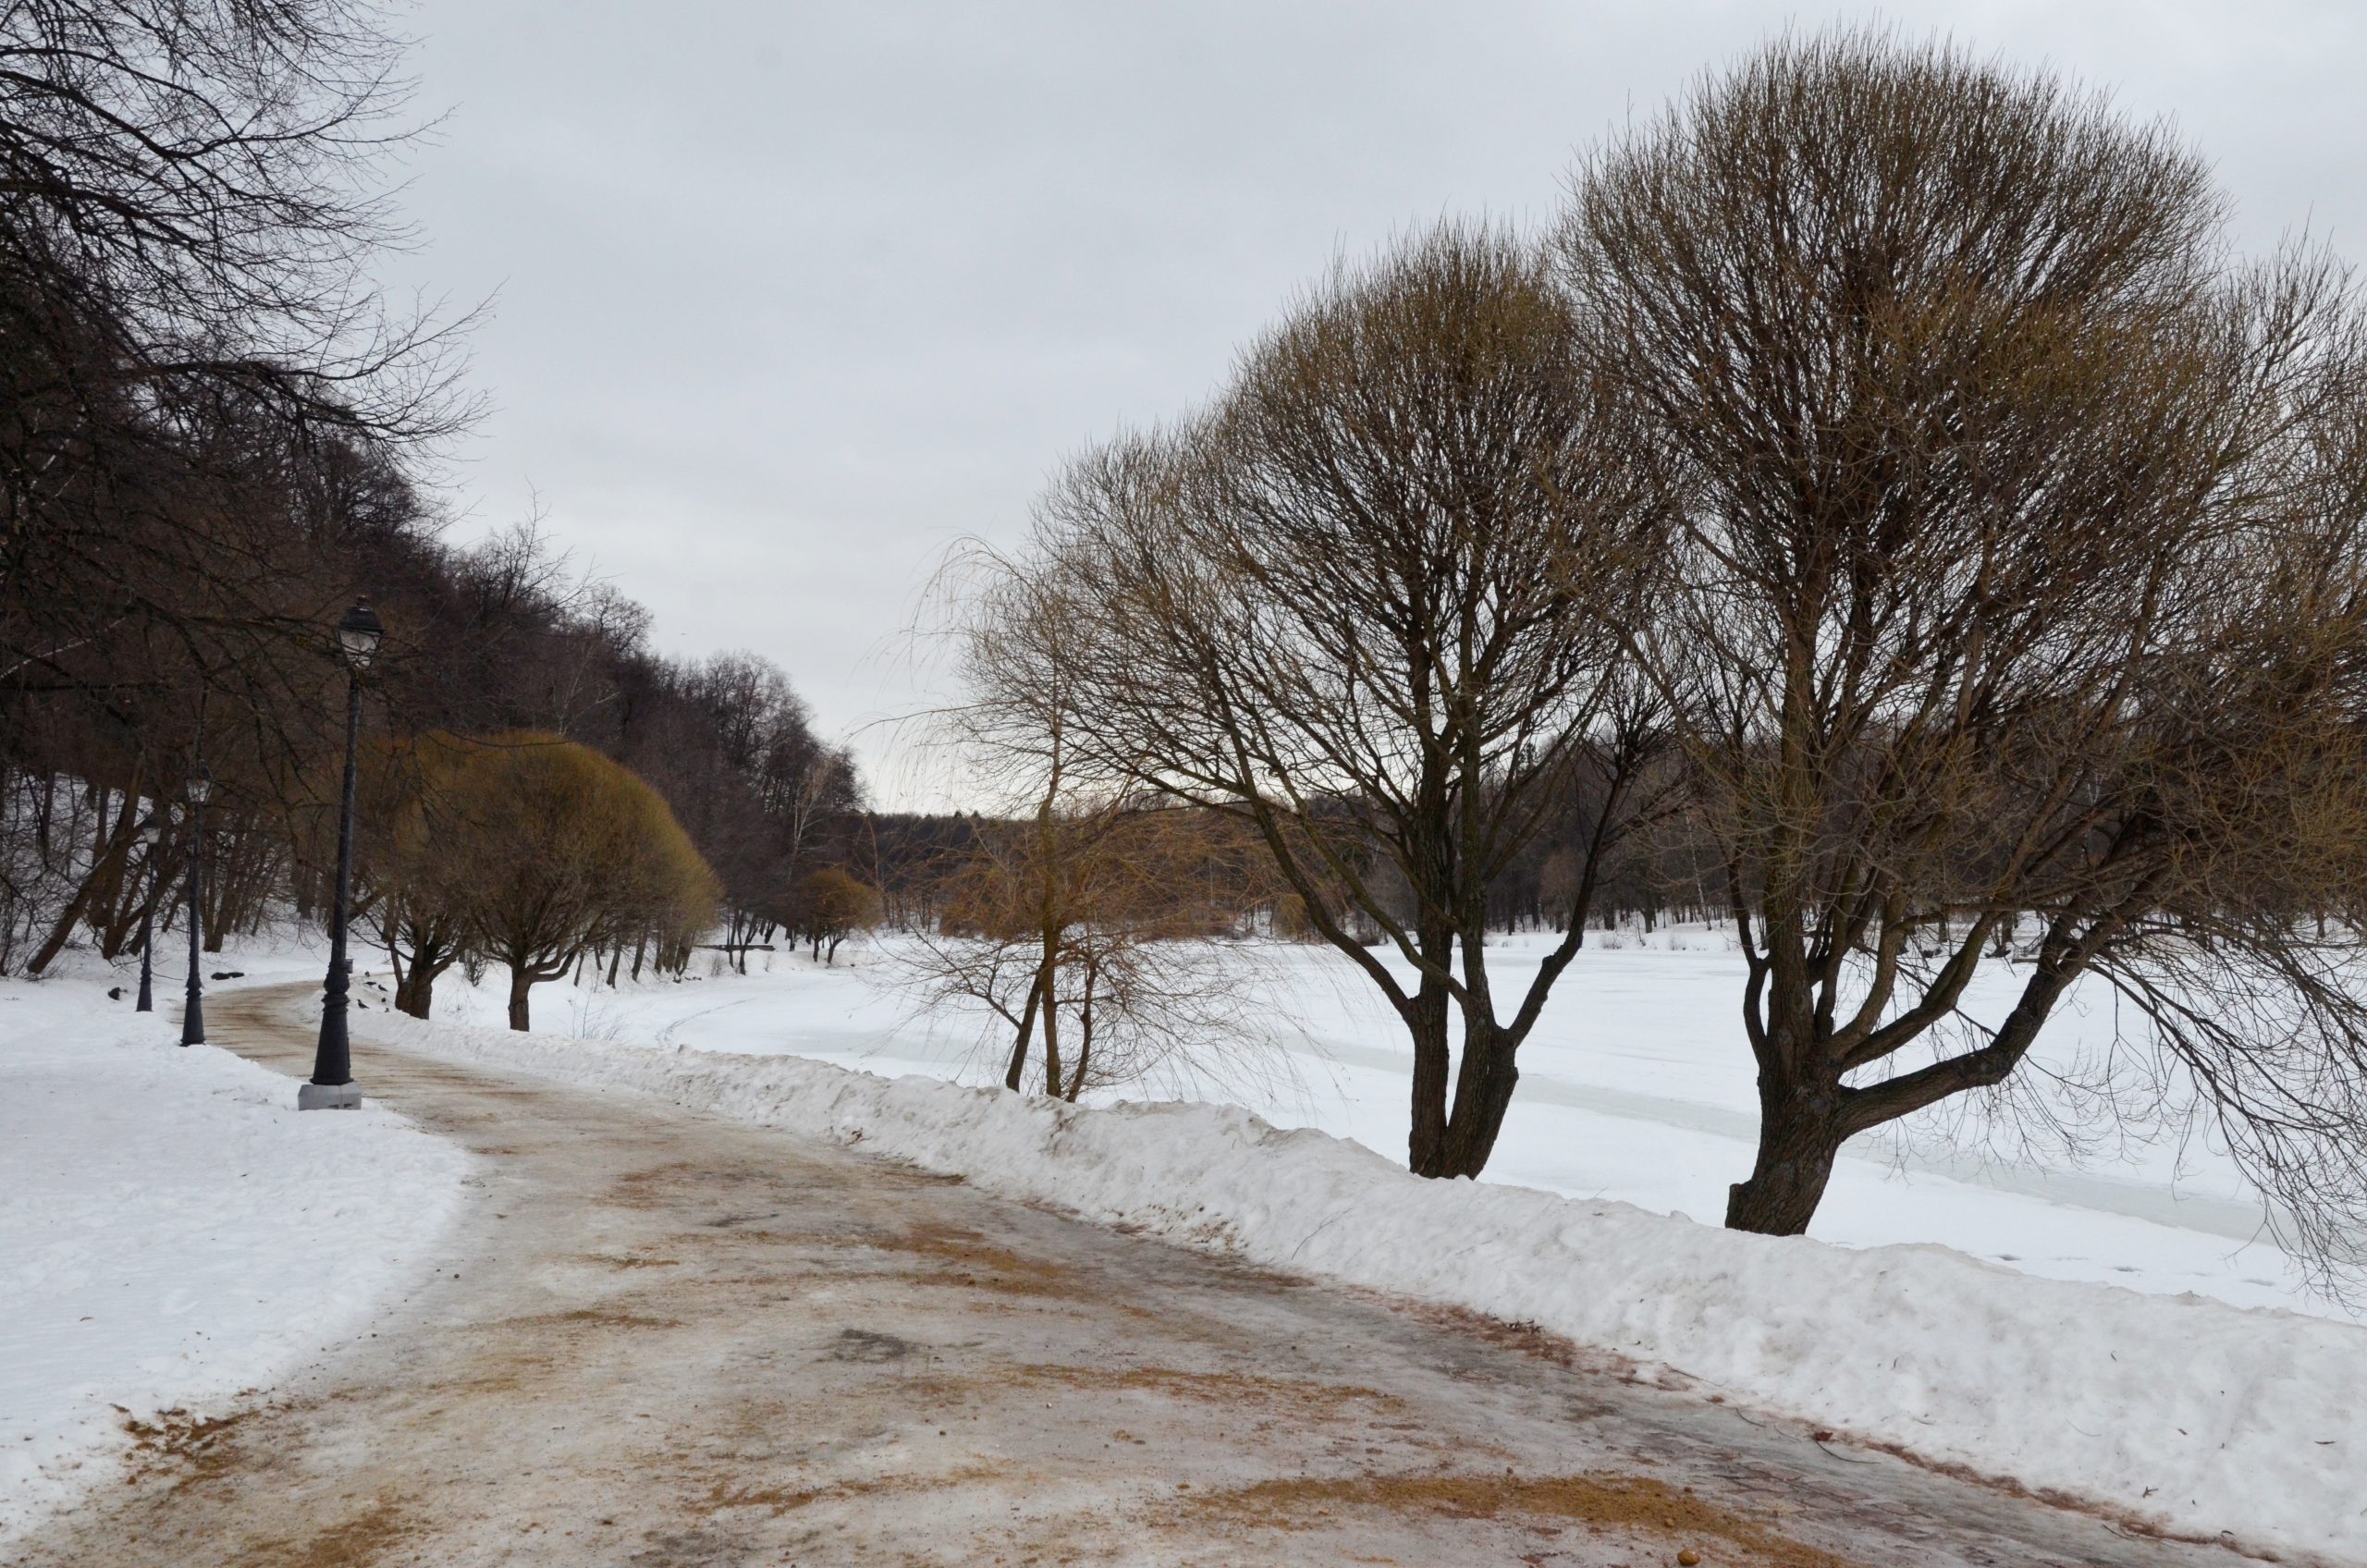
332 1087
193 1008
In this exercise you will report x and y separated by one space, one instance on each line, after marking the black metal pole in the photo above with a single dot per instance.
333 1061
193 1008
147 938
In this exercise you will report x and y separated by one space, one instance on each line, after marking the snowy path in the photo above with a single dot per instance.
670 1339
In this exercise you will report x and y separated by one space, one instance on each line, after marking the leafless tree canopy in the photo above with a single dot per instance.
1097 936
204 181
1365 605
207 419
2016 573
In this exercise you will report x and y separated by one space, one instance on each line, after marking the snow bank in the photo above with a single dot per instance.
2197 1417
1635 1087
173 1231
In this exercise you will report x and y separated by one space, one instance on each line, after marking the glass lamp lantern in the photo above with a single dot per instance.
357 631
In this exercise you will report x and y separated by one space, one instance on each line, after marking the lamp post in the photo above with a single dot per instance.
193 1007
332 1087
150 837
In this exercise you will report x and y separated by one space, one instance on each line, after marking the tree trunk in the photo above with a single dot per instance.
519 983
109 848
116 913
1426 1020
1050 1022
432 950
1428 1024
1026 1033
1799 1133
1084 1040
1483 1093
415 988
55 942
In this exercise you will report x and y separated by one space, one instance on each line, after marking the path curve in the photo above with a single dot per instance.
662 1339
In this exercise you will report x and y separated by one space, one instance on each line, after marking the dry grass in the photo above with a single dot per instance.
660 1186
971 1261
522 1327
1300 1396
784 1500
353 1543
1626 1502
194 1449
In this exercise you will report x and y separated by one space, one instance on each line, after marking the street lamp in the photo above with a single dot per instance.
150 836
193 1008
332 1087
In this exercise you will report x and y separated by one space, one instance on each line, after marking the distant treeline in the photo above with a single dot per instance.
913 858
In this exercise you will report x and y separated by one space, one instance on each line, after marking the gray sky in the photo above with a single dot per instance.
791 295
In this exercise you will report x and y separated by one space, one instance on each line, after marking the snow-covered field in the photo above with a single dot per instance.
1636 1086
171 1253
174 1233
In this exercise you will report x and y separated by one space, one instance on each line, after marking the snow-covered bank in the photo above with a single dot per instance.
173 1231
2198 1417
1636 1086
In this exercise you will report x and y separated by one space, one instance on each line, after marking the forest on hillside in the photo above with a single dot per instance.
216 435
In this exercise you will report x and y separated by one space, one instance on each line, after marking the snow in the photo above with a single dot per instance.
1635 1087
175 1233
2195 1414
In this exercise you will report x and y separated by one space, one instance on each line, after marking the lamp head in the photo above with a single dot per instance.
152 831
357 631
199 787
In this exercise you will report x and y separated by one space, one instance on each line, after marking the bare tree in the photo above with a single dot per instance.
1367 605
192 196
1082 922
2015 575
1092 933
205 183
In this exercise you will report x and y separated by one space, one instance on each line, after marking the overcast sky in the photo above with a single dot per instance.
791 295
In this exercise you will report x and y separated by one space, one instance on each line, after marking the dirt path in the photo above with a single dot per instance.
666 1340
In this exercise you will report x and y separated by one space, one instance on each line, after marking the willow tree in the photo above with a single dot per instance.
413 881
2015 576
1086 940
552 850
1367 604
